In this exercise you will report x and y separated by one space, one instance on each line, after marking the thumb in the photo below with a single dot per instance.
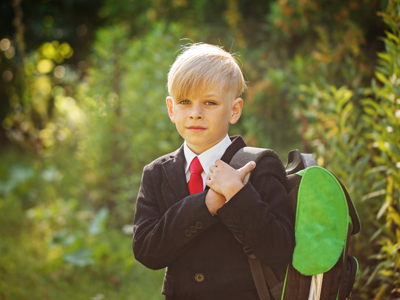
247 168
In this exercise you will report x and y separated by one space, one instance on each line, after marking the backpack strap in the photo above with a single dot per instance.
247 154
263 276
298 161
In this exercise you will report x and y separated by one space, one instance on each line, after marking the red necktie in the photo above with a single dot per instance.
195 183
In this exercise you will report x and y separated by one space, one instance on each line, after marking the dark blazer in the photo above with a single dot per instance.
204 260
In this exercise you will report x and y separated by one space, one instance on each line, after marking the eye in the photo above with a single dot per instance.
184 102
211 103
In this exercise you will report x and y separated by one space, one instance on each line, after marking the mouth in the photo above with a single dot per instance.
196 128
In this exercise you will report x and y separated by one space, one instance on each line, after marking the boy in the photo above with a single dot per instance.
191 202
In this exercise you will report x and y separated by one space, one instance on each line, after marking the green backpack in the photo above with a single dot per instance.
325 220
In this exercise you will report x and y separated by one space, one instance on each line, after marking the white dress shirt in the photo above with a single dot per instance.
207 158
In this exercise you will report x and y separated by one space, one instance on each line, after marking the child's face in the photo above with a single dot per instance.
204 120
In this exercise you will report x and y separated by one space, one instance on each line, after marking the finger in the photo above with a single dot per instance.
247 168
212 168
218 162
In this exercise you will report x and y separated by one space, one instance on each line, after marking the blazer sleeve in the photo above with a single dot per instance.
162 233
261 216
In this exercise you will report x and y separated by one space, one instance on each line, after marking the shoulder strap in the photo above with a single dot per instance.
263 276
298 161
247 154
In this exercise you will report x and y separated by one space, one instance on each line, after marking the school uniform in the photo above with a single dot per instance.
204 261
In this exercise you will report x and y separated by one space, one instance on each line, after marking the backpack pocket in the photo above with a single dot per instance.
322 217
296 286
338 279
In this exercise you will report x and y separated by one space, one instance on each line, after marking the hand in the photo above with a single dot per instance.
225 180
214 201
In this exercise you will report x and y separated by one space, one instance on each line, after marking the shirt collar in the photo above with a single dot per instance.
208 157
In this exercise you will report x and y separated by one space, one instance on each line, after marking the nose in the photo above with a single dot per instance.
196 113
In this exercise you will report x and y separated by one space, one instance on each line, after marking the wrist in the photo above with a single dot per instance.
214 201
233 189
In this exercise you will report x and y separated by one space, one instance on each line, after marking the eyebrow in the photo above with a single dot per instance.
212 95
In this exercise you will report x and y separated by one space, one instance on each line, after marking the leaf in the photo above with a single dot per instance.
381 292
373 194
382 210
392 37
370 102
80 258
381 77
98 223
385 56
50 174
346 114
18 175
343 95
376 234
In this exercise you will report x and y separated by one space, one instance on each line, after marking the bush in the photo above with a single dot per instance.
353 133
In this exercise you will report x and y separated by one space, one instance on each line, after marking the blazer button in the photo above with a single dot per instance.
199 277
199 225
193 229
188 233
229 223
235 228
239 234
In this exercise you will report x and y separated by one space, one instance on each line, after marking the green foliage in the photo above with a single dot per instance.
302 44
58 249
84 127
127 125
89 168
385 124
353 133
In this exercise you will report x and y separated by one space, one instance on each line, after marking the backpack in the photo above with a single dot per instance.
325 220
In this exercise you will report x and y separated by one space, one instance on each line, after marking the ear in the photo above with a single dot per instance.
236 110
170 105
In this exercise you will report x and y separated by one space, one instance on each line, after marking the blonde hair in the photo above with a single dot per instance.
201 67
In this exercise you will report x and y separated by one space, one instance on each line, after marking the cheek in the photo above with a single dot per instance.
180 129
177 115
228 115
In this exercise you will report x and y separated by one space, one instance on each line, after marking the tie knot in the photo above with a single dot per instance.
195 166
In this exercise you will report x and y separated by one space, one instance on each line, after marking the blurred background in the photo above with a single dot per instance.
82 110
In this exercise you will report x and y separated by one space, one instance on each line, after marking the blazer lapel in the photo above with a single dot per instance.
235 146
175 174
